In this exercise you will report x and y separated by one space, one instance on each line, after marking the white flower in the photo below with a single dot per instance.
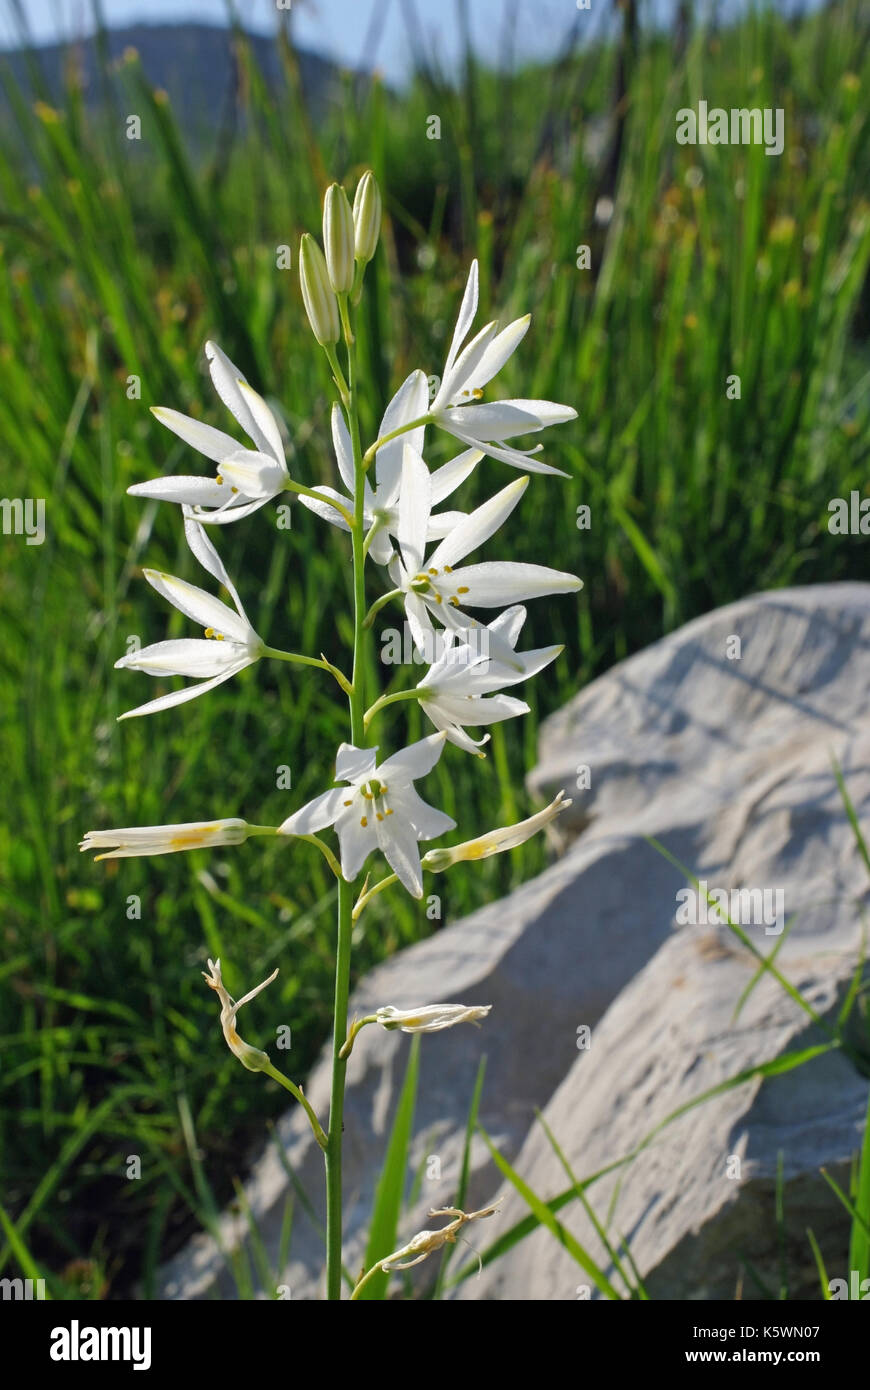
496 841
435 586
467 370
230 643
135 840
250 1057
246 478
380 503
458 689
378 809
430 1018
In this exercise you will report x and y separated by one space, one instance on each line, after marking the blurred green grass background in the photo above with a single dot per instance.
121 260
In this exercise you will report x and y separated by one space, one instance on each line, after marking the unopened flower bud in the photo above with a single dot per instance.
321 304
367 213
497 841
338 238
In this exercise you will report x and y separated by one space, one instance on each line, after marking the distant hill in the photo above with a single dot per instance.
192 62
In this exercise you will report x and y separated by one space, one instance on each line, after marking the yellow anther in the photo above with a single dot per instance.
234 489
463 589
431 571
438 598
454 600
389 813
209 632
448 569
347 803
364 822
219 480
477 394
379 816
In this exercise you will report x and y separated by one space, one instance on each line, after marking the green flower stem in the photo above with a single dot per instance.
366 897
368 456
384 700
345 890
341 383
292 486
370 1274
296 1091
380 603
320 662
357 1024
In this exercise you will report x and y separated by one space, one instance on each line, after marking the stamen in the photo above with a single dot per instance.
219 480
431 571
209 632
463 589
379 816
448 569
347 803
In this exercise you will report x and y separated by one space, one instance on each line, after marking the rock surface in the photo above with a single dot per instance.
726 759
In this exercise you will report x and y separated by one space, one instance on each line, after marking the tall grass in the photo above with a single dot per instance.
119 260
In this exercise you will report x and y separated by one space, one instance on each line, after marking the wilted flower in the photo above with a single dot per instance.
246 478
497 841
321 305
379 809
430 1018
250 1057
136 840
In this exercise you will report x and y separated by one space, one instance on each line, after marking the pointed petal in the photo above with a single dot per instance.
457 382
352 764
447 478
442 523
226 379
381 549
502 581
316 815
415 504
181 697
467 311
509 624
479 526
357 841
254 474
517 458
202 547
494 420
213 443
398 844
341 442
414 761
503 346
234 511
409 403
184 489
264 420
323 509
201 607
185 656
425 819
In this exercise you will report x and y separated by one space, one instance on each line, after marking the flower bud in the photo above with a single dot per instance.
338 238
321 305
497 841
250 1057
367 213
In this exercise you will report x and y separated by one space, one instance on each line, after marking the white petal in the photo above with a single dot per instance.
415 504
442 523
467 311
414 761
501 581
341 442
422 629
264 420
509 624
447 478
357 841
180 697
213 443
455 383
226 379
548 412
398 844
183 489
202 547
201 607
492 420
254 474
186 656
500 349
425 819
323 509
234 510
409 403
479 526
381 548
517 458
353 764
322 811
477 711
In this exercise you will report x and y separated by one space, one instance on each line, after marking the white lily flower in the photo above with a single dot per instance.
380 503
246 478
467 370
458 689
430 1018
230 643
378 809
436 586
250 1057
496 841
133 841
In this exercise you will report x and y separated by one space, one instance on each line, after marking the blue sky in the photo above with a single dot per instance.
337 28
